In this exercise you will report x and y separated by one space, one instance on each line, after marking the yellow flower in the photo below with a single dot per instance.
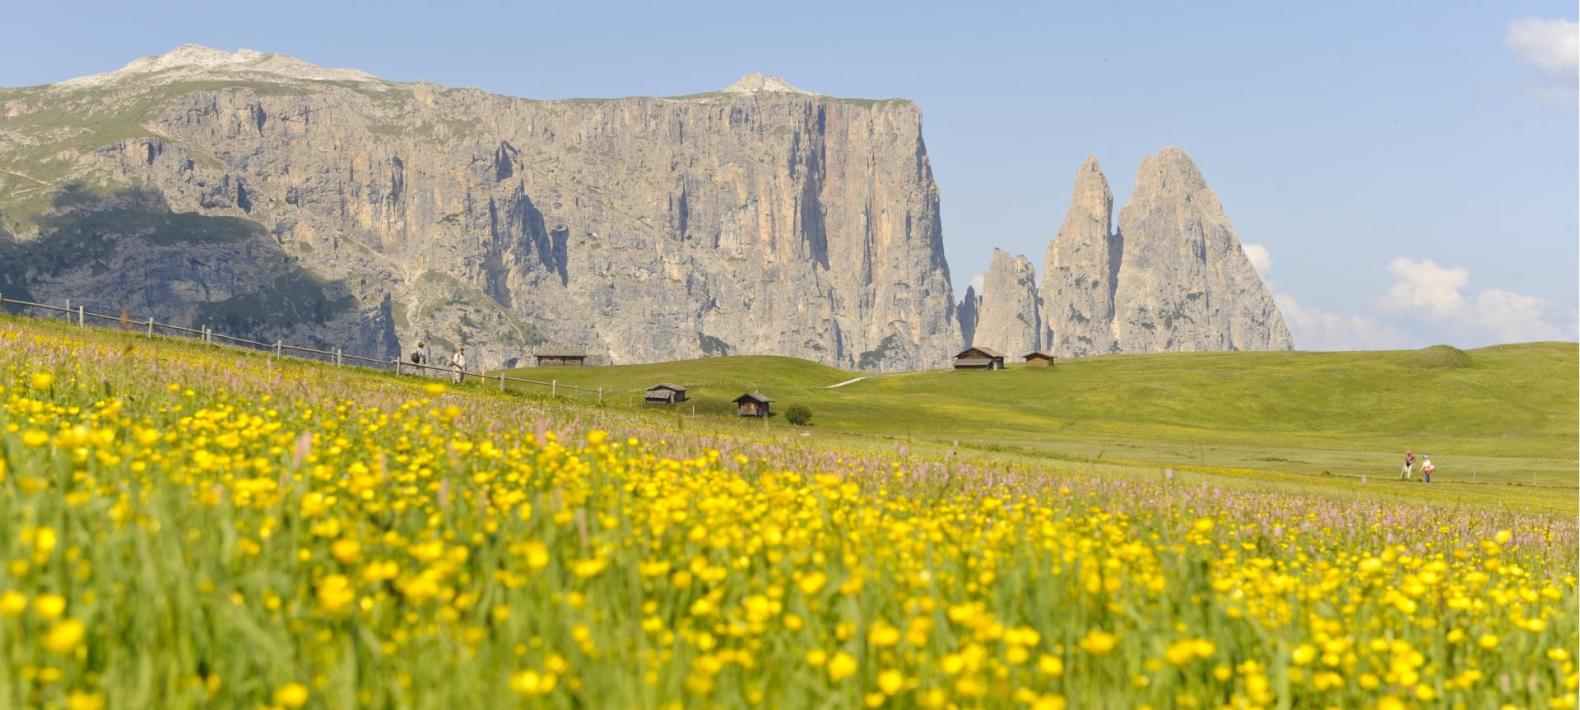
841 666
50 606
33 438
292 695
891 681
64 637
1098 642
1488 641
13 603
41 380
597 436
1050 665
345 550
812 582
79 700
883 634
433 389
335 593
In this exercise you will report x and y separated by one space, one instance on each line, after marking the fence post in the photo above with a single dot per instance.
81 317
277 349
600 395
501 382
554 388
337 357
150 326
68 310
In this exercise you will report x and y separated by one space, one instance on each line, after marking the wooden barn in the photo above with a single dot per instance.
560 357
665 394
979 358
1038 359
752 404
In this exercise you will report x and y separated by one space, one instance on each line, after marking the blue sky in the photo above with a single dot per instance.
1408 170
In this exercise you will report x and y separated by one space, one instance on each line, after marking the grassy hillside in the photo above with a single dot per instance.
1503 415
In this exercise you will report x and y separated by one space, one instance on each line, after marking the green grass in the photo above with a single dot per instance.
1499 422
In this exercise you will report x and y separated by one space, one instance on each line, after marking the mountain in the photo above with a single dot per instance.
267 196
1008 316
1184 283
1171 278
1080 272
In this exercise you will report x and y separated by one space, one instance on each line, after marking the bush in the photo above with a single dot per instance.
799 415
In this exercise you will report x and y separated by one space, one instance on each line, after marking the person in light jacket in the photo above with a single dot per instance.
1426 467
458 363
1409 464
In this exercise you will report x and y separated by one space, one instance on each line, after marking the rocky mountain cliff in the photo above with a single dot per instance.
1009 316
1183 282
372 214
1172 277
1080 271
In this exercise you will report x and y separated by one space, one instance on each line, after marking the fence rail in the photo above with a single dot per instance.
150 328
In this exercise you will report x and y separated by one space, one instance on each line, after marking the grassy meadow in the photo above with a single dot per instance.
190 526
1499 422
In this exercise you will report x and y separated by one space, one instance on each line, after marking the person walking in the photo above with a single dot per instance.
419 357
1426 467
458 363
1409 465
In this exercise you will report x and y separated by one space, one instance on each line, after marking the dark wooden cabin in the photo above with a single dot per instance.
752 404
1038 359
665 394
560 357
979 358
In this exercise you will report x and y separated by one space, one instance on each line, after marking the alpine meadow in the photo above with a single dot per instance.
845 357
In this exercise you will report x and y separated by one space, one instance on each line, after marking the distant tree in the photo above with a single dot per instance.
799 415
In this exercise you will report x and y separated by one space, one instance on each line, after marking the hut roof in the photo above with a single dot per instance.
973 362
1038 354
987 352
665 386
753 396
558 351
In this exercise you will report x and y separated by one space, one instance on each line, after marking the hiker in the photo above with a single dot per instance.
458 362
1426 467
1409 463
419 357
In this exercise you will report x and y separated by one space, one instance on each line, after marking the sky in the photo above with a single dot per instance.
1402 174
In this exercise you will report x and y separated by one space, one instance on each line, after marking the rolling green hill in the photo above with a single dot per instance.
1504 415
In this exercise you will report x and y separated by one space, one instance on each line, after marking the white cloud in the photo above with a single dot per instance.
1552 47
1435 293
1423 285
1515 317
1426 303
1316 329
1261 260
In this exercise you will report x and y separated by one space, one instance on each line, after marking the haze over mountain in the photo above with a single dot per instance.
269 197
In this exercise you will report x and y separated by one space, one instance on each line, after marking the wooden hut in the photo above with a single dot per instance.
979 358
665 394
1038 359
560 357
752 404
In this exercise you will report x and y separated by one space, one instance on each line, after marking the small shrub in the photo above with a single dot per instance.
799 415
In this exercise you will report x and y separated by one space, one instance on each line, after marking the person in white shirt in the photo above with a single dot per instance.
458 363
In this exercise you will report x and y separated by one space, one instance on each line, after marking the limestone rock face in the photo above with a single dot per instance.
754 221
1081 269
1009 320
1183 282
